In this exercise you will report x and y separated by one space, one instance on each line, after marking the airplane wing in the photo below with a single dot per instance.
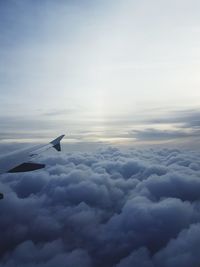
24 160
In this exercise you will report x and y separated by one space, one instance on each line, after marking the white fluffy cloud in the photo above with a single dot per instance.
105 208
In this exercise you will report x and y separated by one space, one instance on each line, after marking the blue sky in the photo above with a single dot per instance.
112 71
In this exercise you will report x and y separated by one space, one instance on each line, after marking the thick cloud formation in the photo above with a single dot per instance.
136 208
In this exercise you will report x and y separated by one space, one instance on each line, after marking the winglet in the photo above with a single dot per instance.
56 142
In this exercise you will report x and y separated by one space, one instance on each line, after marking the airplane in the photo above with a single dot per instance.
23 160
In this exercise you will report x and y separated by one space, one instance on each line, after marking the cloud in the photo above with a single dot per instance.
175 126
180 126
104 208
182 251
157 135
182 119
140 257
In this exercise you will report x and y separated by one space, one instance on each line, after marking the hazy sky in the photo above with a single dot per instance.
100 70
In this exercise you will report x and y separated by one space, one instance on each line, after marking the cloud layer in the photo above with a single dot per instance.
106 208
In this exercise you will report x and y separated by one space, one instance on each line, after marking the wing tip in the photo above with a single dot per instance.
56 142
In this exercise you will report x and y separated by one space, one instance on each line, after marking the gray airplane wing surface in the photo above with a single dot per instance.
24 160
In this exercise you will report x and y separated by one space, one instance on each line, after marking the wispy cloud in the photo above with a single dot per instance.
174 126
157 135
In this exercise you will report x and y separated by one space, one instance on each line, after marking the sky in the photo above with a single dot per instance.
122 72
110 74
